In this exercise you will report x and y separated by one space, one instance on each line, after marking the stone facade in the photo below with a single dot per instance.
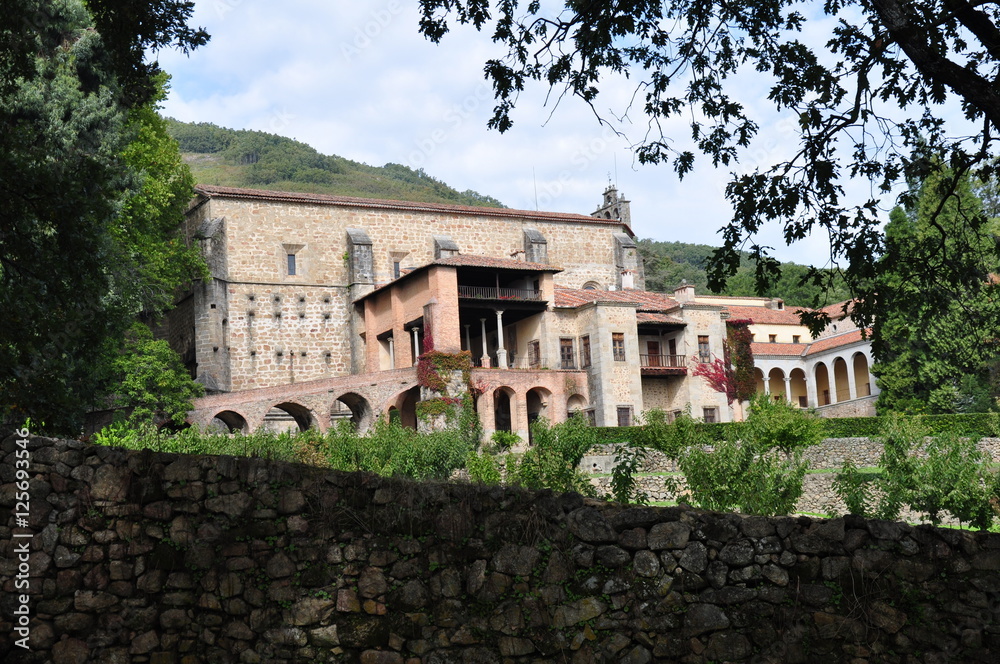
318 291
163 558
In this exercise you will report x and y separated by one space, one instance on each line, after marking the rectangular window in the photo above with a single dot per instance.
585 351
534 353
618 346
709 414
291 265
772 338
795 338
704 354
566 359
624 416
395 269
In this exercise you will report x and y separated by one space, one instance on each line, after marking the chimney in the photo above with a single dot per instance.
684 292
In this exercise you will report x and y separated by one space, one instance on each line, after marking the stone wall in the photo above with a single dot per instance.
149 557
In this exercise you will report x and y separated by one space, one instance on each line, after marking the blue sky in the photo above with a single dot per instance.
356 79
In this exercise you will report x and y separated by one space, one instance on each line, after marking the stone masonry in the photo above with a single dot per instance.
163 558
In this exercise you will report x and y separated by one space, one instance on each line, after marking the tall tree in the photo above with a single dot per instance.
843 85
938 338
78 258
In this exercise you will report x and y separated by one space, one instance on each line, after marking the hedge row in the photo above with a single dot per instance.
986 425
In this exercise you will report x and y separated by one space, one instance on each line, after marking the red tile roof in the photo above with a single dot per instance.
828 343
653 317
645 300
765 316
836 311
213 191
777 350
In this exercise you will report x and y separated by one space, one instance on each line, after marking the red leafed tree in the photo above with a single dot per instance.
732 374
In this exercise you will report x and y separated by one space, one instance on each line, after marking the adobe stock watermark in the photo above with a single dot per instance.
581 159
364 35
454 117
22 540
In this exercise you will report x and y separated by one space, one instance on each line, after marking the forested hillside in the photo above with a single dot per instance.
668 263
255 159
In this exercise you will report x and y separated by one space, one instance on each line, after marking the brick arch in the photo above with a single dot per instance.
303 416
405 402
540 404
233 420
362 414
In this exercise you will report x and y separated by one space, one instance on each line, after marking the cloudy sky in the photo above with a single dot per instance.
357 80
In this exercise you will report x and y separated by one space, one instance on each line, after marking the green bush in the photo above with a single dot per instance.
757 469
554 458
949 475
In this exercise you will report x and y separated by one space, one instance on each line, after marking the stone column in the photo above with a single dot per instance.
767 383
392 353
852 390
812 398
501 351
485 360
788 389
416 343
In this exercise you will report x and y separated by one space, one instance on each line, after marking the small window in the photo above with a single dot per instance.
566 359
710 414
618 346
585 351
796 338
624 416
291 265
704 354
534 353
395 269
772 338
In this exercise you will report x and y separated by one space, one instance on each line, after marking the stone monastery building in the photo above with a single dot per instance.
319 305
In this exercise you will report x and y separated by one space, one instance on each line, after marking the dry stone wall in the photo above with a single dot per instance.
161 558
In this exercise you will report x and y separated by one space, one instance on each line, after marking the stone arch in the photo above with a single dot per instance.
758 375
287 416
800 391
862 376
354 407
776 383
576 403
823 393
230 421
504 406
539 403
841 379
405 403
592 285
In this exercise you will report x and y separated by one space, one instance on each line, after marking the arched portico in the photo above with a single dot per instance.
230 421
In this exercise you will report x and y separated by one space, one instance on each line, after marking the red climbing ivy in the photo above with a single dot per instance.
732 374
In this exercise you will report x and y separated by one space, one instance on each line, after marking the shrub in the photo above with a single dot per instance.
944 473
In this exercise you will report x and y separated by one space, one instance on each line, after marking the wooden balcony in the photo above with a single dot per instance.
495 293
663 365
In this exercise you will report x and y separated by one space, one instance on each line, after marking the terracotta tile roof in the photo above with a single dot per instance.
213 191
472 260
653 317
761 349
765 316
645 300
821 345
836 311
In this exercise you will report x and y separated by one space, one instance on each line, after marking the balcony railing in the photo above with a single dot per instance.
494 293
662 361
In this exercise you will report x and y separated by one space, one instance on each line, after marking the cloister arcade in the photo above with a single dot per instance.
814 382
